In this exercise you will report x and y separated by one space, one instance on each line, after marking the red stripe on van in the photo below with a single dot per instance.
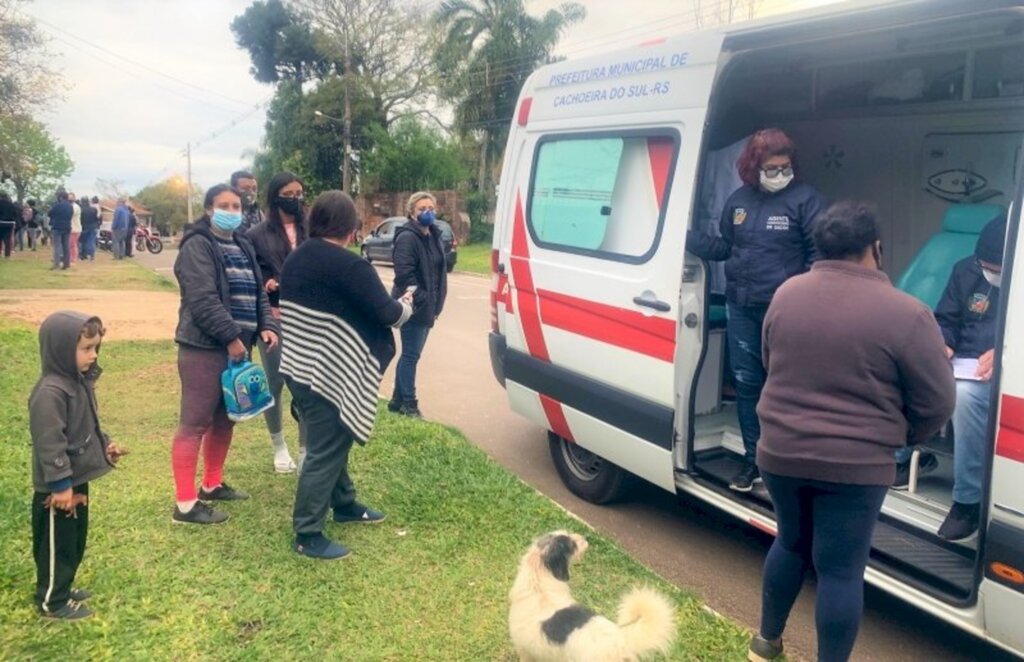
529 315
659 150
556 417
1010 440
652 336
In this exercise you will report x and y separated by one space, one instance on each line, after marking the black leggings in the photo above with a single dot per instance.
827 526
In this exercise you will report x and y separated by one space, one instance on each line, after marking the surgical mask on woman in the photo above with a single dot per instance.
225 220
994 279
780 179
290 206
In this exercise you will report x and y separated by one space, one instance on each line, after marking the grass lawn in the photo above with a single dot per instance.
430 583
31 271
474 258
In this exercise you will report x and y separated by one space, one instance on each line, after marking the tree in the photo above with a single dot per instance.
168 200
111 188
410 157
489 49
381 46
280 44
30 158
25 80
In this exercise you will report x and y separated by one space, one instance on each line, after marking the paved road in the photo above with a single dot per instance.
693 546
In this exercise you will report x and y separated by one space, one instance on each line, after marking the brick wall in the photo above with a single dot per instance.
375 207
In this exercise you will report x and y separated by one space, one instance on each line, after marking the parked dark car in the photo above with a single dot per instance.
381 242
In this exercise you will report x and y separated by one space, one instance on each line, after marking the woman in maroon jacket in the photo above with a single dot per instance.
847 385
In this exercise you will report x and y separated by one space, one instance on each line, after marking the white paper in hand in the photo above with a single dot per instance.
965 369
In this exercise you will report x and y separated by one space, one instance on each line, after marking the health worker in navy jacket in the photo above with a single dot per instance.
765 240
967 315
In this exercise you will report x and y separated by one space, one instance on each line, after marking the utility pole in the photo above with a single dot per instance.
188 180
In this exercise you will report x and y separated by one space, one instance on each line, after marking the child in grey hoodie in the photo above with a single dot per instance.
68 450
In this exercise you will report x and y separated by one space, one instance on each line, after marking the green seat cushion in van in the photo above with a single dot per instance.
927 275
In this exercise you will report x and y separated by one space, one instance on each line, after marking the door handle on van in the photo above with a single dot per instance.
647 300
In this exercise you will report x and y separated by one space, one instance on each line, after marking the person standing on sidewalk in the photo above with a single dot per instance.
60 229
119 228
31 216
337 318
274 240
419 264
826 452
223 309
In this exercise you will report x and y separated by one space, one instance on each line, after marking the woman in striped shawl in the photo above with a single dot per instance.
337 319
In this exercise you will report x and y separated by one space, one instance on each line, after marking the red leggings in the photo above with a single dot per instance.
203 422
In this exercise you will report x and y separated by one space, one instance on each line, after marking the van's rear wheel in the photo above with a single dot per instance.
587 475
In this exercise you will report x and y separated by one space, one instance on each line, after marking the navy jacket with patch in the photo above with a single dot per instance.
967 311
766 239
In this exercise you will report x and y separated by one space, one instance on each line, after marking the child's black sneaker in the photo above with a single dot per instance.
319 546
79 594
201 513
357 512
222 492
71 611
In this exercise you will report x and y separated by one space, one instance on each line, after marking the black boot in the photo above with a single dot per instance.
411 409
394 405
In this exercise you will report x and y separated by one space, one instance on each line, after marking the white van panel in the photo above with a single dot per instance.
1003 614
638 374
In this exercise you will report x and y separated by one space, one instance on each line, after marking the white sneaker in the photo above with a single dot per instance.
284 465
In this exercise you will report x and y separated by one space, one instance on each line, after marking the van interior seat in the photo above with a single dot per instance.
928 273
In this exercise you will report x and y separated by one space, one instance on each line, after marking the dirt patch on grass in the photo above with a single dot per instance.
129 315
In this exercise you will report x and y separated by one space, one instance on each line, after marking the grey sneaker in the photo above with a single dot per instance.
79 594
71 611
201 513
762 650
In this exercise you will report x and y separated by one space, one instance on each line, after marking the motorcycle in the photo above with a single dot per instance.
147 239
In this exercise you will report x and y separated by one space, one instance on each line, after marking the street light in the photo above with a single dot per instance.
346 155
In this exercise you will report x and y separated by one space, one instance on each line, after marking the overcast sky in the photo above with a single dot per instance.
145 77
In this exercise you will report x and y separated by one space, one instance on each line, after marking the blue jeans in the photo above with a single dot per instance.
414 338
62 248
970 423
827 526
744 325
88 244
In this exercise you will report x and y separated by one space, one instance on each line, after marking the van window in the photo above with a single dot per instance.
600 195
999 72
915 79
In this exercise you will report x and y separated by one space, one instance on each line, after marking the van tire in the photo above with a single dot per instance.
587 475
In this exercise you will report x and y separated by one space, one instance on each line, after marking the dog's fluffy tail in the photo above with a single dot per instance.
647 621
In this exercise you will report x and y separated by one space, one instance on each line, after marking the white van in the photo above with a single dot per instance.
605 331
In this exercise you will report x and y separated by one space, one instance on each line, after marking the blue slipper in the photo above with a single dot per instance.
320 547
358 513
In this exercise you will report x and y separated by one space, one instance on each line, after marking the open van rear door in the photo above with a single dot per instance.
601 202
1002 586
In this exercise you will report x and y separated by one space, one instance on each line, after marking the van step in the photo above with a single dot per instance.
915 556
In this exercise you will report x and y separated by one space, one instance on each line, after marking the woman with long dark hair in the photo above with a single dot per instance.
223 310
765 239
274 239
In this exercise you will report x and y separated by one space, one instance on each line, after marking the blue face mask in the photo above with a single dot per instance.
427 217
226 220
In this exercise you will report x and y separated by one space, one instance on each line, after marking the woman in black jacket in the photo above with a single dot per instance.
420 265
223 309
338 318
274 239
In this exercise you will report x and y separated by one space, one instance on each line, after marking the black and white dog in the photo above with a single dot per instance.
546 624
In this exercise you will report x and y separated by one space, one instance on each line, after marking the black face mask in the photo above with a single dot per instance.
290 206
